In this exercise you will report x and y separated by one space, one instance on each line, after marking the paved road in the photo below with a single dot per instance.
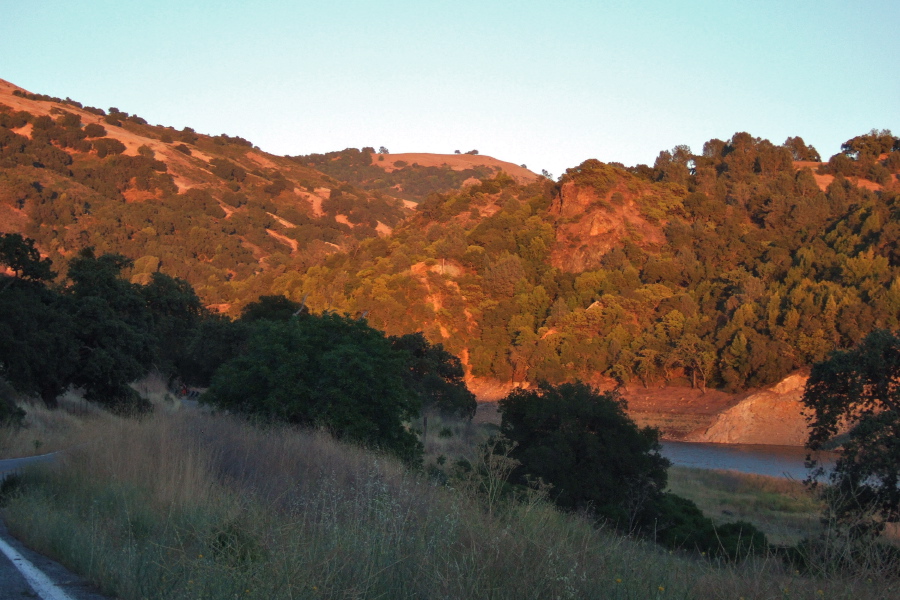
12 465
27 574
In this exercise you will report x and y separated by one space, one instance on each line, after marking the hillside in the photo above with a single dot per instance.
412 176
731 274
214 210
728 269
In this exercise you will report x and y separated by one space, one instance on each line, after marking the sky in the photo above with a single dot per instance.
545 84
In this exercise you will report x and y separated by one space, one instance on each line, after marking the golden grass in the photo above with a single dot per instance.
782 508
196 505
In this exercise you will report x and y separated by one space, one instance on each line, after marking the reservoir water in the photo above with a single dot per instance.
774 461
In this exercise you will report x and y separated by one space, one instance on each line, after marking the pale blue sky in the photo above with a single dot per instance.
548 84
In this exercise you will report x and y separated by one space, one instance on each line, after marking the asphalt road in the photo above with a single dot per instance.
27 574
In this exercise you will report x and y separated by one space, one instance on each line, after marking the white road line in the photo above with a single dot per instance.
39 582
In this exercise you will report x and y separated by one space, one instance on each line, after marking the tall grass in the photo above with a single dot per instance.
786 510
195 505
43 430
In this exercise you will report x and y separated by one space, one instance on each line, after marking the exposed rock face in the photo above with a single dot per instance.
771 416
589 225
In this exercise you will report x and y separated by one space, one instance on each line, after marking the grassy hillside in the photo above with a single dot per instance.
410 176
189 504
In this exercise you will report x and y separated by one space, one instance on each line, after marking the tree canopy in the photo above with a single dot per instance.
582 442
329 371
854 401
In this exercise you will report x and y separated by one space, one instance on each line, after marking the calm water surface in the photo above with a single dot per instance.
774 461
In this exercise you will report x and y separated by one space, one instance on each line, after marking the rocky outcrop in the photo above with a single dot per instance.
771 416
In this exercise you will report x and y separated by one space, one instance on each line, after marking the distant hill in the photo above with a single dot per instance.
411 176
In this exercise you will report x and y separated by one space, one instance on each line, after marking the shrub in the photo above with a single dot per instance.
329 371
107 146
94 130
582 442
678 523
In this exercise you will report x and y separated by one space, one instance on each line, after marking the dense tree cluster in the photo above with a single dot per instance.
728 268
98 332
753 270
874 156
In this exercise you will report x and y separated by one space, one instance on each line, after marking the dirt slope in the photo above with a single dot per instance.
770 416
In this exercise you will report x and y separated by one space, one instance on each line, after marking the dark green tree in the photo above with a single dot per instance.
582 442
436 376
270 308
175 313
38 347
858 391
216 340
113 329
328 371
20 255
37 350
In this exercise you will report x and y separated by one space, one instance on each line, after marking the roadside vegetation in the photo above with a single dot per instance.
191 504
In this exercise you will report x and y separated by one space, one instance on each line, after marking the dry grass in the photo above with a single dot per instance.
783 508
43 430
196 505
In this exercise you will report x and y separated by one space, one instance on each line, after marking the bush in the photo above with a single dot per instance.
107 146
581 441
678 523
328 371
94 130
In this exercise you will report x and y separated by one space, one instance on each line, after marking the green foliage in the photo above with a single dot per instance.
227 170
175 314
39 354
582 442
436 376
271 308
20 255
678 523
216 340
327 371
107 146
857 389
94 130
113 331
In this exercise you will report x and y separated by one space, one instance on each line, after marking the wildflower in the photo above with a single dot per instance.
662 589
618 580
199 556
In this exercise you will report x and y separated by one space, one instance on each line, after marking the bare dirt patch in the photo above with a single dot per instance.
284 240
